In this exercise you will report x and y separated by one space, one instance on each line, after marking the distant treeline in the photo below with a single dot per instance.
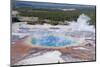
55 15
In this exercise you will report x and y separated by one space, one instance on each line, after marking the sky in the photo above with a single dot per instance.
87 2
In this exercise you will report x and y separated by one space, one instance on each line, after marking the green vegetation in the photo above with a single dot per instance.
55 15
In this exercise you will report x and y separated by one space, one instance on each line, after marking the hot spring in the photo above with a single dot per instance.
55 36
52 41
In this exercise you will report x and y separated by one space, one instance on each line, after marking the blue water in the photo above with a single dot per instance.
52 41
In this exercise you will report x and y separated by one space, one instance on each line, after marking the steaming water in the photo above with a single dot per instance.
59 35
82 24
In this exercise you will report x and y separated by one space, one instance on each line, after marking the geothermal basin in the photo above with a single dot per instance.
63 43
53 41
47 37
55 36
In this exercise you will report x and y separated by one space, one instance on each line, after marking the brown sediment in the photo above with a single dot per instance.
22 49
78 53
19 50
